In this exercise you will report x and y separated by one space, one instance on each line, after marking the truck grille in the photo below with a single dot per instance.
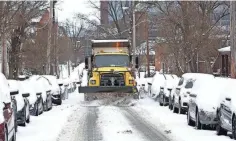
110 79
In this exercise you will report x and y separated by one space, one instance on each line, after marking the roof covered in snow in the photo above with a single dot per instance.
104 41
224 49
142 48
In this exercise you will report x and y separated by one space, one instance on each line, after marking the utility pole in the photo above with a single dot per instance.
49 38
133 30
3 39
232 38
147 40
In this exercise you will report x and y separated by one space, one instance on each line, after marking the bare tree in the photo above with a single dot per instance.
22 20
190 29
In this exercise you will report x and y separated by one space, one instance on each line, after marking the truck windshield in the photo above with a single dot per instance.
111 61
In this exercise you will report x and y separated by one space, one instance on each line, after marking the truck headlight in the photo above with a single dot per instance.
93 82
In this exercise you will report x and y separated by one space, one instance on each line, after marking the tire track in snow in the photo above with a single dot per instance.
91 131
145 128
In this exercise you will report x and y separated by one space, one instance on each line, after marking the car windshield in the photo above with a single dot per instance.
112 60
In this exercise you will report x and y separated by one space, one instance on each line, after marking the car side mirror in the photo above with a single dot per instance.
136 63
6 105
14 93
130 58
228 99
60 85
188 92
38 94
26 95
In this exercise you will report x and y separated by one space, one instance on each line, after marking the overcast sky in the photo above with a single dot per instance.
68 8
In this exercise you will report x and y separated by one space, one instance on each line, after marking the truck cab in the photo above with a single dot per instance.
110 68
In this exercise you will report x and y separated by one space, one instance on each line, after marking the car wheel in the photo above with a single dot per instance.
189 120
14 136
28 119
175 110
219 129
198 123
180 110
42 106
234 127
24 122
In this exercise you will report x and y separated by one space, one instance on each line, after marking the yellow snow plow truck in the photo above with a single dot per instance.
109 71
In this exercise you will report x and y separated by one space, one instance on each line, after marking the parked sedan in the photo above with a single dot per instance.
45 87
42 88
56 93
204 98
7 118
226 112
181 95
36 105
22 103
165 89
157 82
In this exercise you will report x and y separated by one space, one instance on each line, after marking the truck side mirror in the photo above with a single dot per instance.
136 62
89 63
86 63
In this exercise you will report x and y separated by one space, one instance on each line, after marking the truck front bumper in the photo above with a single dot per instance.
108 89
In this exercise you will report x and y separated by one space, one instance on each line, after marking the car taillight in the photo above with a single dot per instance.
2 132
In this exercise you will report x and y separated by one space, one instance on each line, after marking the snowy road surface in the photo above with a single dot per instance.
145 121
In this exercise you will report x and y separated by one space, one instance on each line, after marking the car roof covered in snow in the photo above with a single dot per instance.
4 89
196 75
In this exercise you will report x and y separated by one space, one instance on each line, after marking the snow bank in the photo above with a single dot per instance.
53 125
175 125
75 74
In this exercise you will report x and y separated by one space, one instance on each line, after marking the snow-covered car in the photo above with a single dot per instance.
65 88
203 101
166 88
171 88
226 114
56 92
29 86
22 103
43 89
181 93
7 118
157 81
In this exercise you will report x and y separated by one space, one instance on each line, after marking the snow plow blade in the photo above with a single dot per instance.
107 89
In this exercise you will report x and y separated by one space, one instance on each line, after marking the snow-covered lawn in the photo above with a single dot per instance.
166 120
49 125
114 125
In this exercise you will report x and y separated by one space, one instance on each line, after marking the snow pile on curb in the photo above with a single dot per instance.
174 124
49 125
